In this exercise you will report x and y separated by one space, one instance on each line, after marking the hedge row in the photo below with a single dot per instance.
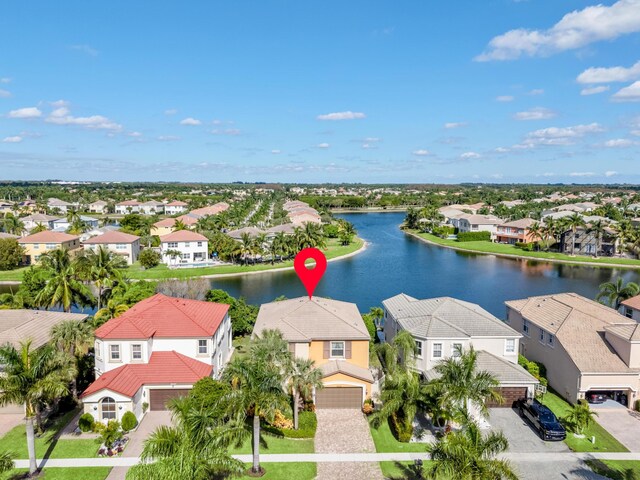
400 428
307 424
474 236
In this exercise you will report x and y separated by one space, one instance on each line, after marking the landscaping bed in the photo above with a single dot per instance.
385 442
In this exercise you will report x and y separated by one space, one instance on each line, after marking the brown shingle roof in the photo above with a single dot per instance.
19 325
48 237
112 237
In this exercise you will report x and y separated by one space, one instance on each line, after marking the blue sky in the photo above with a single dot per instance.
358 91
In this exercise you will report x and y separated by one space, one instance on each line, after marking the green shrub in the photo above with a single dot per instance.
474 236
533 369
527 247
443 231
145 407
401 429
129 421
307 424
110 433
85 422
149 258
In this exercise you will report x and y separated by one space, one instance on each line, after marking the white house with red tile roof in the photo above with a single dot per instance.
119 243
193 248
155 351
175 207
128 206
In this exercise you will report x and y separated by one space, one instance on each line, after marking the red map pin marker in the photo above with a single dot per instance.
310 277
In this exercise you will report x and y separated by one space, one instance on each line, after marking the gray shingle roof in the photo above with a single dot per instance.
303 320
445 317
20 325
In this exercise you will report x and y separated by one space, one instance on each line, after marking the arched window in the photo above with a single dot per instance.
108 407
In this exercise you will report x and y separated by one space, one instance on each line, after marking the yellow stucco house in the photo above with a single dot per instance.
334 336
166 226
45 241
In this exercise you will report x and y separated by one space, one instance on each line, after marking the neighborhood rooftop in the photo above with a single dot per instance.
20 325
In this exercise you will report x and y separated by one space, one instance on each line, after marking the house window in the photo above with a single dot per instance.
50 246
199 244
203 347
551 340
121 246
114 353
542 335
108 407
186 256
187 244
456 350
172 245
525 327
36 246
510 345
136 351
337 349
99 350
437 350
418 348
628 312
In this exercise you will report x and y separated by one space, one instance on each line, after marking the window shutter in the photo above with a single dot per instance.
347 349
325 349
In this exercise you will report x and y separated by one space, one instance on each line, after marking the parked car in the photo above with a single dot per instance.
596 398
543 420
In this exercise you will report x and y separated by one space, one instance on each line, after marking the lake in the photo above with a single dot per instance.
397 263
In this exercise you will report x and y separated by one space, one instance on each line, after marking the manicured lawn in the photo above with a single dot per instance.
47 446
605 442
498 248
79 473
277 445
240 344
287 471
385 441
401 470
12 274
616 469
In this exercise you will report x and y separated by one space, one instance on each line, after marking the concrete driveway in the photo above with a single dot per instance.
8 421
345 431
622 423
524 439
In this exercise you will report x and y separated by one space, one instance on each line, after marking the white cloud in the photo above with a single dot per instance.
505 98
59 103
455 124
190 121
619 143
323 145
536 91
610 173
62 116
276 152
88 49
594 90
13 139
470 155
421 152
575 30
582 174
227 131
537 113
171 111
628 94
27 112
168 138
610 74
348 115
501 150
559 135
5 80
134 134
4 93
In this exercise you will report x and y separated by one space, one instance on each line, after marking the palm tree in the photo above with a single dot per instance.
78 227
38 228
397 355
194 449
247 246
468 455
173 254
535 230
74 338
63 288
460 384
6 462
13 225
598 228
617 292
73 216
32 377
112 310
103 268
574 222
580 416
257 391
303 379
377 314
179 225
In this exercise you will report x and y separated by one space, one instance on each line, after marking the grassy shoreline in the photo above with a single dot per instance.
333 252
510 251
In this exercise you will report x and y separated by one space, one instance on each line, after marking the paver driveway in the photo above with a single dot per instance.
345 431
524 439
623 424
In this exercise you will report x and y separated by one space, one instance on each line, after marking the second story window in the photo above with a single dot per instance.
542 335
628 312
437 350
203 347
456 350
418 348
172 245
510 345
50 246
136 351
121 246
114 353
551 340
525 327
337 349
199 244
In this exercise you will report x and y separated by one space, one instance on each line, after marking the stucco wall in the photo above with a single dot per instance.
340 379
359 353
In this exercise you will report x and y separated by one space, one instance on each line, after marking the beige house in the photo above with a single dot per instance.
43 242
117 242
588 348
334 336
630 308
443 327
165 227
99 206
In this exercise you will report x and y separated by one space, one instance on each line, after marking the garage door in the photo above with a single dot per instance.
510 395
339 397
158 398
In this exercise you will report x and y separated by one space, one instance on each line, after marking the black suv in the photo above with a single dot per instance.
543 420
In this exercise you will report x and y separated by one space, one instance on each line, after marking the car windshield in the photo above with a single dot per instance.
547 418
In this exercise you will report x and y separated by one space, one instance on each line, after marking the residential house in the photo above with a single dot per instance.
212 210
61 206
302 216
43 242
193 248
165 227
517 231
333 335
124 244
156 351
128 206
6 207
479 223
586 242
4 235
151 207
63 224
630 308
587 348
443 327
175 207
99 206
35 219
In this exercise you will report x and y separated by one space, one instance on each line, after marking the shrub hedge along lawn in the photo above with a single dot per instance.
307 424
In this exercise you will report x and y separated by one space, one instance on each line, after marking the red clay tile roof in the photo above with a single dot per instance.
183 236
48 237
129 203
112 237
169 222
177 203
633 302
166 317
163 368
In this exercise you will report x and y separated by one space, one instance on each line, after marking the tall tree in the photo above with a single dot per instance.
597 229
574 222
103 268
304 378
32 377
617 292
13 225
62 288
75 338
